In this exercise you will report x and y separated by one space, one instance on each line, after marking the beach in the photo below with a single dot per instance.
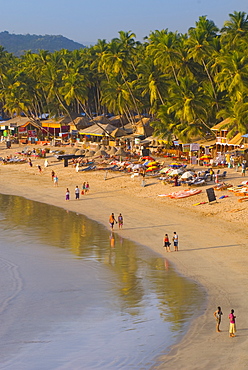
212 244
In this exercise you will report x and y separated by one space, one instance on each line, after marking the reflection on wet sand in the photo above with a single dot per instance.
146 286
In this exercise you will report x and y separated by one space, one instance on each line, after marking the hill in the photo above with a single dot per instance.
18 44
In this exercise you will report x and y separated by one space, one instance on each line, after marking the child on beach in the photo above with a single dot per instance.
83 188
67 194
56 180
167 243
120 221
87 187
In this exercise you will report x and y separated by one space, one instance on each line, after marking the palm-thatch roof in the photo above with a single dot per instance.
101 119
98 130
118 121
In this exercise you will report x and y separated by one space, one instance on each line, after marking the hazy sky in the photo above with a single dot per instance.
90 20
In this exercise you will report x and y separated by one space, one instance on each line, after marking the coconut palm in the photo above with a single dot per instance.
235 29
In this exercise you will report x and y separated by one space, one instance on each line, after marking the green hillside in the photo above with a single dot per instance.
18 44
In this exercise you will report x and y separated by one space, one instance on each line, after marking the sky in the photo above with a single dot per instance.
86 21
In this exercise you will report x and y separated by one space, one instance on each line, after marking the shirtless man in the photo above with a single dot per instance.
217 315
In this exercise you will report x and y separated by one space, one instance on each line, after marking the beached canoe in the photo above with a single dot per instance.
187 193
182 193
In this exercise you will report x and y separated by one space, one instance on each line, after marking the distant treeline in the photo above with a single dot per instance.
186 82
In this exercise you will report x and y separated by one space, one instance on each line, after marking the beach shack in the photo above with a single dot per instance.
223 143
24 129
98 132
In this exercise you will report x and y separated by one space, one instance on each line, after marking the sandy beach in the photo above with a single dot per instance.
212 244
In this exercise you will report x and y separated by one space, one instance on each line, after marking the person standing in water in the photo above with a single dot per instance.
217 314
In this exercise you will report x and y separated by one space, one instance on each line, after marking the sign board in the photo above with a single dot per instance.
211 195
194 147
186 148
32 133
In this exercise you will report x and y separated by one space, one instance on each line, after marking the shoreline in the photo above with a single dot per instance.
210 251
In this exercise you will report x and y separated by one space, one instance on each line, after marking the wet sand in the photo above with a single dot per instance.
212 245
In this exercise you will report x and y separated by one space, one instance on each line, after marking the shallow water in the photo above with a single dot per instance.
75 296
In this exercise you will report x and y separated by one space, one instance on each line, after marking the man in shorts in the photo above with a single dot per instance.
175 241
217 314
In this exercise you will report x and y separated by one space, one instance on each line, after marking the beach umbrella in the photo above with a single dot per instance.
176 171
205 157
175 165
100 153
97 147
149 158
165 170
137 166
90 153
152 163
113 150
121 152
187 175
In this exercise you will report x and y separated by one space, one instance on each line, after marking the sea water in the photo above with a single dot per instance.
76 296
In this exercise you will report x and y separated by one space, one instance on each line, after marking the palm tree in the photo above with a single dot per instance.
200 48
233 75
185 113
163 48
235 28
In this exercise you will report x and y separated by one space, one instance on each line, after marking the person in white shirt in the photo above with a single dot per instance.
175 240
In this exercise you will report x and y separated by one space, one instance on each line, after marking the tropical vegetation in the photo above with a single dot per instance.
185 82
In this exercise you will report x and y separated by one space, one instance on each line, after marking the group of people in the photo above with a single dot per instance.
84 191
232 319
119 220
167 243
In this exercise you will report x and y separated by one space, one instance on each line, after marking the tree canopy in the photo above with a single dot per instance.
185 82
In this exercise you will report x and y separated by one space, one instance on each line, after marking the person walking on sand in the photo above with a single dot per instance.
83 188
87 187
120 221
52 174
56 180
77 191
30 162
112 220
232 328
167 243
217 314
67 194
39 168
175 241
243 168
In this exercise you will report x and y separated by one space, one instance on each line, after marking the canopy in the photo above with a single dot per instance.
187 175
